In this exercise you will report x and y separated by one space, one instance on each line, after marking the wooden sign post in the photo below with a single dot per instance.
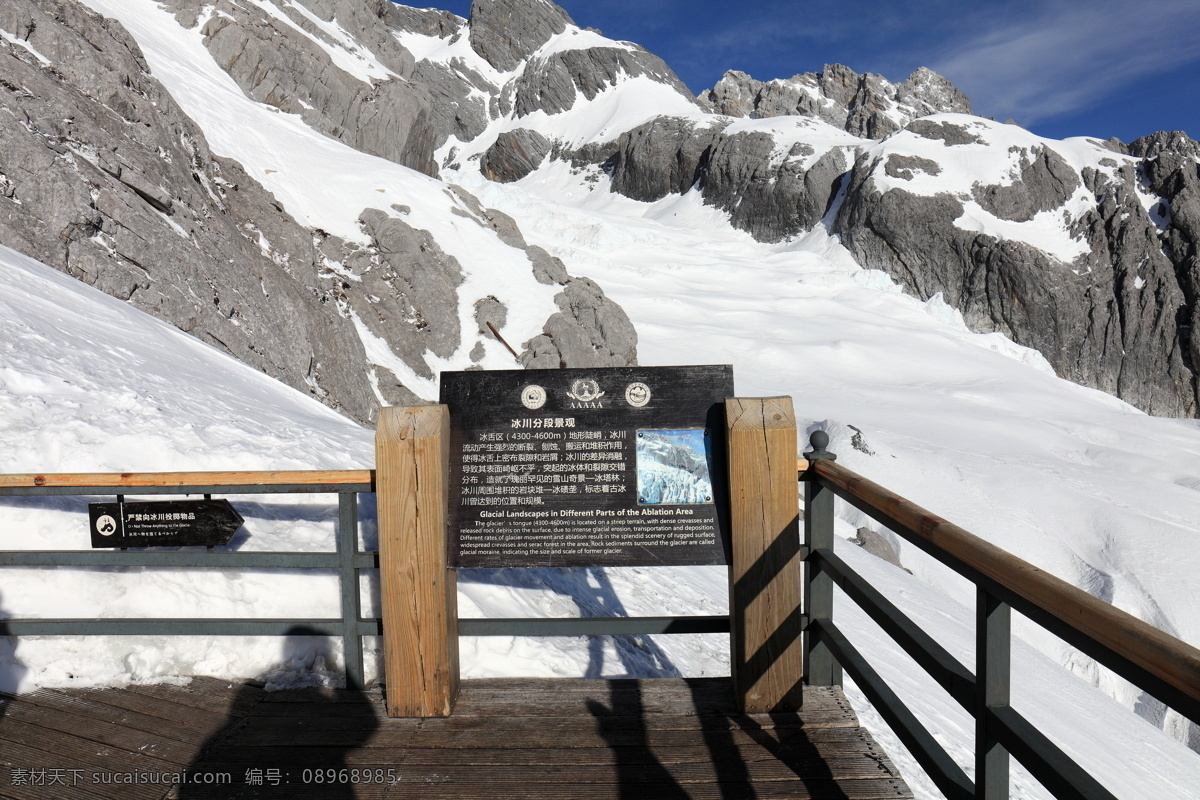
765 567
417 588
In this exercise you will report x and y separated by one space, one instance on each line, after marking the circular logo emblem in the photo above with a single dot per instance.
637 394
106 525
533 396
585 391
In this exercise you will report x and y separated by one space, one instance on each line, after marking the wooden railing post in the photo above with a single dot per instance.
766 624
823 669
418 589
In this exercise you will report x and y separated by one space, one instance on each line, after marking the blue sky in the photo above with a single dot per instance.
1098 68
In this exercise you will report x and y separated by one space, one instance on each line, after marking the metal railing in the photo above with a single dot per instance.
1159 664
346 560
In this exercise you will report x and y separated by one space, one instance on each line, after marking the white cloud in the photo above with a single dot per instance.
1065 56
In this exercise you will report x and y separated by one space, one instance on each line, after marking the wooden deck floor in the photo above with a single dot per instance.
509 738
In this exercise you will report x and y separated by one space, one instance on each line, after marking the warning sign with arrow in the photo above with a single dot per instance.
171 523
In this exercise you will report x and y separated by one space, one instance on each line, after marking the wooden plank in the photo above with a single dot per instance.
706 694
291 786
52 752
498 747
314 695
235 478
693 765
417 587
92 706
560 731
617 732
290 791
66 785
154 707
808 789
210 694
765 579
577 753
104 734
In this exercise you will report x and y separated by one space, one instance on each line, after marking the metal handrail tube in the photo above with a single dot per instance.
184 626
1031 590
591 626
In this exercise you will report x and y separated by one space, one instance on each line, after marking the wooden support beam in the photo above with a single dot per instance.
418 589
764 569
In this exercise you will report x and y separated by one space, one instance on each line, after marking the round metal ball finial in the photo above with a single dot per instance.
819 440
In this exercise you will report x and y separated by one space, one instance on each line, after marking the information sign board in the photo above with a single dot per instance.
588 467
163 523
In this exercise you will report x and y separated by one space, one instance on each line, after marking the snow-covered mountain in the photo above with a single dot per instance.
344 193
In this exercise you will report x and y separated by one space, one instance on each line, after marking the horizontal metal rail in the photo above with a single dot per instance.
591 626
190 626
1161 665
944 668
1045 760
933 758
346 560
214 559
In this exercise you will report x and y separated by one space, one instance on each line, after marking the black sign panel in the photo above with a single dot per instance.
171 523
615 466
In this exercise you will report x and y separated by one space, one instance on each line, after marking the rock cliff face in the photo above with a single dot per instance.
107 179
865 105
769 193
1108 299
384 103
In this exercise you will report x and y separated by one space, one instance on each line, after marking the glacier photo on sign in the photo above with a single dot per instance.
673 467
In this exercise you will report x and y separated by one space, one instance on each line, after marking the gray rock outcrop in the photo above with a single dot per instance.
590 331
514 155
737 172
866 105
396 109
1109 318
122 193
552 84
877 545
506 32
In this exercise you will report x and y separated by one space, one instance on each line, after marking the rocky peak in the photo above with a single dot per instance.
1173 142
506 32
926 92
866 105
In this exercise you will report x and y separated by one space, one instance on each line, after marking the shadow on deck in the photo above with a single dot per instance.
509 738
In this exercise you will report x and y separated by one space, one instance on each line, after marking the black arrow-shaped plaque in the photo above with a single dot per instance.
170 523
